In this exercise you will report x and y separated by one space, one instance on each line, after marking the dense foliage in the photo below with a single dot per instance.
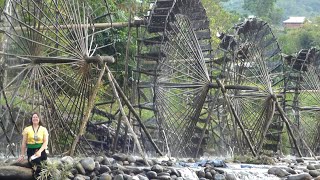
308 8
293 40
220 19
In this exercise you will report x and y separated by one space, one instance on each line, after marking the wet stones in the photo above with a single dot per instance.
278 172
15 172
303 176
314 173
88 164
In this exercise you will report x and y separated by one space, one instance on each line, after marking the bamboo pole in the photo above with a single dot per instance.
115 142
284 118
96 26
129 105
236 117
126 74
269 116
124 117
88 111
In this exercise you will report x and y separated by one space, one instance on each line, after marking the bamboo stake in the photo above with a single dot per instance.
126 75
88 111
129 105
115 142
269 117
284 118
124 117
236 117
96 26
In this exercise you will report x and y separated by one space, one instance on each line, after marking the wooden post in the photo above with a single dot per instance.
269 115
115 142
236 117
124 117
284 118
126 101
88 111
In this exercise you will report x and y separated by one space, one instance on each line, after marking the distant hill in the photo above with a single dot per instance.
307 8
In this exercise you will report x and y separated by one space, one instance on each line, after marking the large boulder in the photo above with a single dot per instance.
303 176
88 164
314 173
15 172
278 171
23 163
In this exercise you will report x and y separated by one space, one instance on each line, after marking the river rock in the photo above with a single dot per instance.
119 177
208 175
151 174
278 172
164 177
119 157
290 170
88 164
67 160
219 177
230 177
105 161
131 159
303 176
299 160
15 172
174 172
81 177
96 166
142 177
80 168
104 169
135 170
23 163
105 176
157 168
99 159
74 171
314 173
127 177
201 174
311 167
317 166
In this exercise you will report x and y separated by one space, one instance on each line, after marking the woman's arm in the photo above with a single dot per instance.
23 147
44 144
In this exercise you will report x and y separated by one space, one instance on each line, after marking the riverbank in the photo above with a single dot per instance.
128 167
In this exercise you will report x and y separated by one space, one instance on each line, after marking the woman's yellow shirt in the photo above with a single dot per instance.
41 134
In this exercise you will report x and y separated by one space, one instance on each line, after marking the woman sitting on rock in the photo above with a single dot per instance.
35 138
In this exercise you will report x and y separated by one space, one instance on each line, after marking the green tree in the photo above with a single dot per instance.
2 3
261 8
293 40
220 19
264 9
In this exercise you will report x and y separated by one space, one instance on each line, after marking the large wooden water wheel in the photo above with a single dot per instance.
50 63
252 58
303 98
172 76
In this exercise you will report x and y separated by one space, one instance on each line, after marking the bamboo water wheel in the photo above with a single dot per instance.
251 56
50 63
303 98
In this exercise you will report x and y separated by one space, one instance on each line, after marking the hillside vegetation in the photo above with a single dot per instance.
308 8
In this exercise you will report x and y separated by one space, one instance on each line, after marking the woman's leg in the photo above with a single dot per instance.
38 161
30 152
